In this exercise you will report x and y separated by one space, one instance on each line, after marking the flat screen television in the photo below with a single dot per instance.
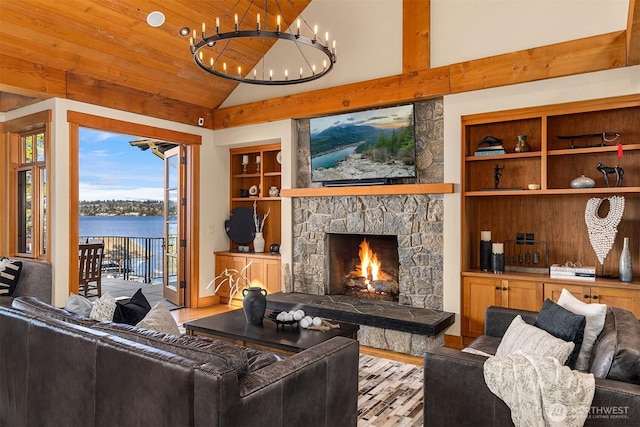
365 147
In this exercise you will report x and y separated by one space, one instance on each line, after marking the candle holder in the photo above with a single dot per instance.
257 164
485 255
245 162
497 263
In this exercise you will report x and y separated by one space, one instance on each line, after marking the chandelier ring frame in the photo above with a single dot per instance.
209 42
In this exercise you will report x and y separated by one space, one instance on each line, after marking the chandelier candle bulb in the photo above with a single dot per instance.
217 25
258 22
203 30
278 24
315 32
239 71
224 67
236 22
286 74
298 33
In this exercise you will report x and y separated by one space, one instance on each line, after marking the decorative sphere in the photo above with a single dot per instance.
304 323
298 315
317 321
583 182
288 317
281 316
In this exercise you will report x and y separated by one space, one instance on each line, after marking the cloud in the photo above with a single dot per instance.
91 192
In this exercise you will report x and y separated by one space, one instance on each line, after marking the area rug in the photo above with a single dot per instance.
390 393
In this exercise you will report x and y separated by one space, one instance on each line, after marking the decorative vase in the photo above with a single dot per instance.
521 145
583 182
254 304
626 269
258 242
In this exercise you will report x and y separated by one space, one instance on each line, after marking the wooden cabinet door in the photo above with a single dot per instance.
272 275
478 295
230 262
553 291
523 295
627 299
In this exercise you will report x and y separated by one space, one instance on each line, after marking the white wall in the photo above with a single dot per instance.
213 187
605 84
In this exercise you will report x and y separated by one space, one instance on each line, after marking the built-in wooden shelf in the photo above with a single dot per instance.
369 190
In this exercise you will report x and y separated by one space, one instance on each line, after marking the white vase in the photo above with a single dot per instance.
258 243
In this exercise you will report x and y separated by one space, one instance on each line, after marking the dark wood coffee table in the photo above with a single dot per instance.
232 326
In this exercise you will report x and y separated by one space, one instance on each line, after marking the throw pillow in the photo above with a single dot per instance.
132 311
563 324
103 308
532 341
9 275
594 314
159 319
79 305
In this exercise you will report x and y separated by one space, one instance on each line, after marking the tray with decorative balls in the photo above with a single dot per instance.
299 318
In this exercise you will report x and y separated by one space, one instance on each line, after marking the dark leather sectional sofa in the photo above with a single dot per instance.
455 393
60 369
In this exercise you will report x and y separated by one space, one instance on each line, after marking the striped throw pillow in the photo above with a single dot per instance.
9 275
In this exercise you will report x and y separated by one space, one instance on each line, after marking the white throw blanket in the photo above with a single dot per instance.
539 390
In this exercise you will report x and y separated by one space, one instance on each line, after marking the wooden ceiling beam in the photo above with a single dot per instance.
416 31
586 55
92 91
378 92
562 59
633 33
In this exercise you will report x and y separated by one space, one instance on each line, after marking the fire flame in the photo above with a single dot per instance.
369 264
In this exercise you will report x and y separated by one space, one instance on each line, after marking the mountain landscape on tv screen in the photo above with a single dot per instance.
352 152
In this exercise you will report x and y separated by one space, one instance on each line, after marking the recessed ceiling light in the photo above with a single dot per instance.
155 19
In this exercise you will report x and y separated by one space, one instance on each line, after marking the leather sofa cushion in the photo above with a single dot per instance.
616 352
203 349
35 306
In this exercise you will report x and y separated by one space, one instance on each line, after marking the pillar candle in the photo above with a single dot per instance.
257 159
245 159
485 235
498 248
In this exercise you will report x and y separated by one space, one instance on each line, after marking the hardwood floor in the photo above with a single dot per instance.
186 314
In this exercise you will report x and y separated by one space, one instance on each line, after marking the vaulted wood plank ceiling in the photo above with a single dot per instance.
99 43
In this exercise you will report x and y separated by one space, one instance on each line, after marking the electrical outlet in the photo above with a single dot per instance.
529 238
201 121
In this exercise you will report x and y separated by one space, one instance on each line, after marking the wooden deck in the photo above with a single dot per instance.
126 288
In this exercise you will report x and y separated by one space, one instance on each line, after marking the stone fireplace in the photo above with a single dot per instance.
413 222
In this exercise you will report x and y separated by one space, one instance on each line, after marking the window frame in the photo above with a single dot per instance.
15 131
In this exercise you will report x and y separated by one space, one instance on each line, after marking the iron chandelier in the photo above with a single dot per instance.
208 49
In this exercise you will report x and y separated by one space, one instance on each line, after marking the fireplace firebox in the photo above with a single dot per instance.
365 266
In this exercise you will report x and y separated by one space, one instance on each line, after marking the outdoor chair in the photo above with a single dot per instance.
90 269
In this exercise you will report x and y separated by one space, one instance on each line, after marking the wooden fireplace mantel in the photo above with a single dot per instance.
369 190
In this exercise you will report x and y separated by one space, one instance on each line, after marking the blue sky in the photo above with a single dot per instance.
111 169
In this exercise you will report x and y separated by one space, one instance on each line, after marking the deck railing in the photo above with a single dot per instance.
132 258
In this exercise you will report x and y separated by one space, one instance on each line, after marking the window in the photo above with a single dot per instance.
32 195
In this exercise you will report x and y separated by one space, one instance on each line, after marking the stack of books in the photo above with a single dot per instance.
585 274
492 150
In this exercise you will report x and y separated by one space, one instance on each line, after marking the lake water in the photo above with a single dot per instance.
126 226
329 160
